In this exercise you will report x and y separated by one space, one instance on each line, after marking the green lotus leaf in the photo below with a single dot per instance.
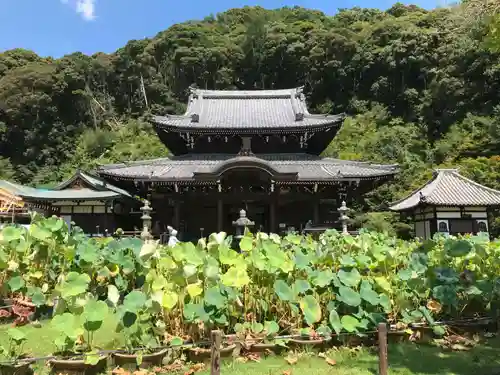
334 319
236 277
10 233
405 275
383 283
194 290
385 302
37 297
16 283
284 292
311 309
54 224
192 254
347 261
16 335
323 278
271 328
175 341
39 233
134 301
74 285
349 296
458 248
350 323
169 300
148 250
194 312
368 294
94 313
246 243
257 327
349 278
213 297
211 269
113 294
189 270
301 286
228 256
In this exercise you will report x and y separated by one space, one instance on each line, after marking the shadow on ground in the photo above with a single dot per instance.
425 359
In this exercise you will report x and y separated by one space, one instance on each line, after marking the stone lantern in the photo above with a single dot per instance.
343 217
241 224
146 221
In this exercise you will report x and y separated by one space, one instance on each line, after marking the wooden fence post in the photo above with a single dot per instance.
216 337
382 349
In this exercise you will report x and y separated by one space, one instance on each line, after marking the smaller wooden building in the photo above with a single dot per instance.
449 203
86 200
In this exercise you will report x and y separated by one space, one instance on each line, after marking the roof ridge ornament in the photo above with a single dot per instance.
195 117
299 116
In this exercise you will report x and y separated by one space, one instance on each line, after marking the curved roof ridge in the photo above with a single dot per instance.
449 188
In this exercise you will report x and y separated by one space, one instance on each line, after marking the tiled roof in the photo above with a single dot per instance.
27 192
450 188
307 167
245 110
96 182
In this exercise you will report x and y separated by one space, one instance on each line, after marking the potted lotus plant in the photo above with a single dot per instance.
16 360
75 340
142 343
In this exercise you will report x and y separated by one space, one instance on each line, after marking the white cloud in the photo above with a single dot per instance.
86 8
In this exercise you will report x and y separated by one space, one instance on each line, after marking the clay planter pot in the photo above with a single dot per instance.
303 342
129 361
22 368
203 354
78 366
265 348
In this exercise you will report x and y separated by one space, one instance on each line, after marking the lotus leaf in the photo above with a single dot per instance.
284 292
323 278
214 297
457 248
74 285
148 250
300 287
383 283
385 302
40 233
16 283
194 290
189 270
195 312
10 233
94 314
349 296
368 294
113 294
347 261
169 300
350 323
311 309
134 301
257 327
211 269
37 296
349 278
334 319
271 328
246 243
236 277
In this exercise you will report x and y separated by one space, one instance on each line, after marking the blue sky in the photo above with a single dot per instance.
58 27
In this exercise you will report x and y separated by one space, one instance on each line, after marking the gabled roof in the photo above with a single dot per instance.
291 167
94 189
262 111
449 188
94 182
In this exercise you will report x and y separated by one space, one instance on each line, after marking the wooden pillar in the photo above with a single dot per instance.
316 211
220 214
272 214
177 213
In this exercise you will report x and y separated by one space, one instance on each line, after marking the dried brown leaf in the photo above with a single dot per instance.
291 360
330 361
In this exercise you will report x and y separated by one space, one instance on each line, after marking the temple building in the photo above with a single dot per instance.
450 204
254 150
86 200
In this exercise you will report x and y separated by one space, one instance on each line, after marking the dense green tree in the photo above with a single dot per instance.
421 88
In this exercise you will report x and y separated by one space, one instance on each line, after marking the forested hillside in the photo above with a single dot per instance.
420 90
